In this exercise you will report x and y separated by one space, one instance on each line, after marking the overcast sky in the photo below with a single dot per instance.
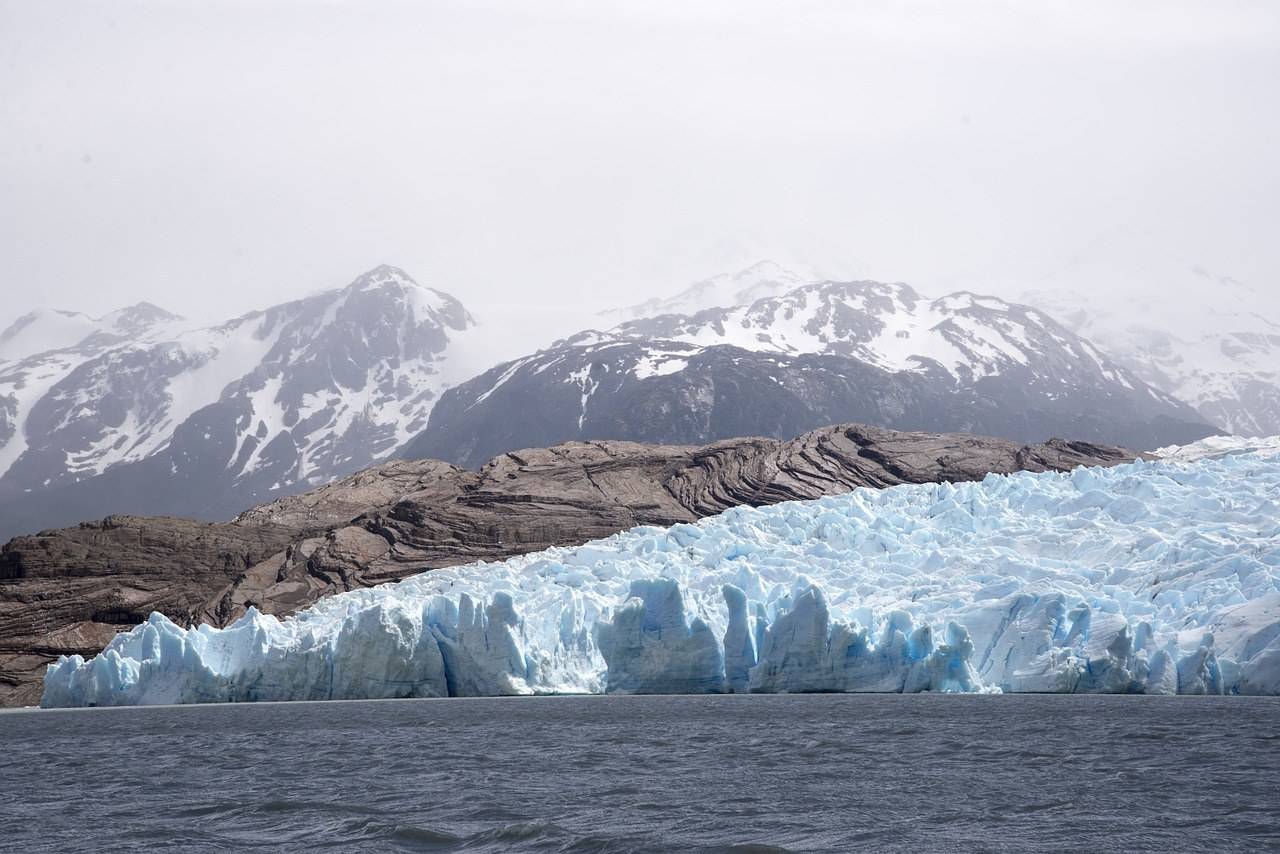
214 157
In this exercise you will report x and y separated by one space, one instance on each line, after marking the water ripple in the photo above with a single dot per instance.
621 774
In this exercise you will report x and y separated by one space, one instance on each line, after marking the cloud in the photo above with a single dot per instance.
215 157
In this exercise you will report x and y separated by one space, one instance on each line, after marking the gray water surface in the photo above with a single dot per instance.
611 774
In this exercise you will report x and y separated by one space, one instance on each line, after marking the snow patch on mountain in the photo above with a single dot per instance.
659 365
1155 577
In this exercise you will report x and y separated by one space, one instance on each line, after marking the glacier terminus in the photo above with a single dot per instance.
1158 576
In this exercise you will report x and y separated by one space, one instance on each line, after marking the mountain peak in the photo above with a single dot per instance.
382 275
138 317
763 267
425 302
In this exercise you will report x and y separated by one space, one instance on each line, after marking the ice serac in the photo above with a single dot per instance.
1155 576
652 646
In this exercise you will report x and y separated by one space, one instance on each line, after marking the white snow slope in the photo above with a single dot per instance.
1155 577
1206 339
886 325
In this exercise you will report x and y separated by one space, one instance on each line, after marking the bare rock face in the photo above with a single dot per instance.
69 590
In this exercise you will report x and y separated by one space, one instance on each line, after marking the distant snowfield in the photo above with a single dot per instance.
1157 576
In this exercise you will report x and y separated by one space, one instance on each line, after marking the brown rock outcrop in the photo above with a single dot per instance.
69 590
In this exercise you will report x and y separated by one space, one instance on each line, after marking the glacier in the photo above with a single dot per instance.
1159 576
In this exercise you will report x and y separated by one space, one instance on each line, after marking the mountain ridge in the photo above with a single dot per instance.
46 330
214 418
822 352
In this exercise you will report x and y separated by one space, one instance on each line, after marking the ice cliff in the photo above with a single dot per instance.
1157 576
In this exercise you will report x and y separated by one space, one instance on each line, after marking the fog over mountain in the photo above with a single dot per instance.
534 160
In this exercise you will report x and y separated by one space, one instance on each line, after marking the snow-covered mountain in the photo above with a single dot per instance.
41 349
1205 338
207 421
821 353
890 326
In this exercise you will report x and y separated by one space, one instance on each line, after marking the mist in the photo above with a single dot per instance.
544 160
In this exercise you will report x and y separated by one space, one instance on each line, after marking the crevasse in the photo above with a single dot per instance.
1156 577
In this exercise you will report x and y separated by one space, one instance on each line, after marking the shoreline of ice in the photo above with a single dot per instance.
1150 577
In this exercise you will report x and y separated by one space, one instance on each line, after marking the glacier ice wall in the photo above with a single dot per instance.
1157 577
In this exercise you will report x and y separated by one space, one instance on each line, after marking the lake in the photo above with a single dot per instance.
749 773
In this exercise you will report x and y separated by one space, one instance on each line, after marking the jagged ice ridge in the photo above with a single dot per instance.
1156 577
